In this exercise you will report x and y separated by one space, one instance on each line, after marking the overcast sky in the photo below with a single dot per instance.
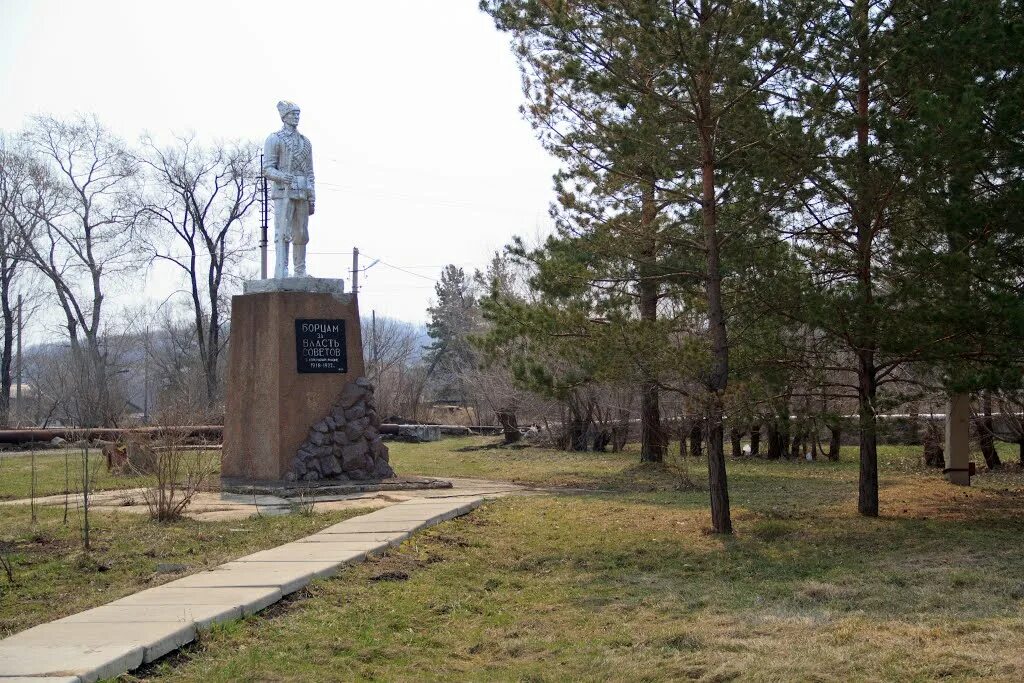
421 155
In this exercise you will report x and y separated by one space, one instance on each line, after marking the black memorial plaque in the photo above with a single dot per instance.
320 345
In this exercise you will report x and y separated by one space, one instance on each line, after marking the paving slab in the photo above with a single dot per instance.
421 518
248 600
369 542
393 537
378 526
203 616
415 515
85 663
286 576
350 526
309 552
156 638
439 499
457 504
107 641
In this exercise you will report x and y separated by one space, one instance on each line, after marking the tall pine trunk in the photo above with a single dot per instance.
696 439
835 434
653 438
985 433
796 447
717 379
865 335
755 440
867 496
775 445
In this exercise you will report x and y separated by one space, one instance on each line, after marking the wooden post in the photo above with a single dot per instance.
958 440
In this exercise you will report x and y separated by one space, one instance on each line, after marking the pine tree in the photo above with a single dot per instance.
896 200
454 318
696 89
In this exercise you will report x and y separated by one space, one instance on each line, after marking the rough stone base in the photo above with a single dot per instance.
297 489
345 445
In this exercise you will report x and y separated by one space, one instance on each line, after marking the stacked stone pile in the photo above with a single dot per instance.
345 445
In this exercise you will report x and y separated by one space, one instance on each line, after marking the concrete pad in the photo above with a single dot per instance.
307 552
368 542
155 638
334 505
367 499
86 663
461 505
471 500
247 600
393 537
286 576
429 517
366 548
357 525
224 515
400 513
203 616
260 500
39 679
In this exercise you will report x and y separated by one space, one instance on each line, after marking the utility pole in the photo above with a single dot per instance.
17 375
145 383
264 216
373 343
355 270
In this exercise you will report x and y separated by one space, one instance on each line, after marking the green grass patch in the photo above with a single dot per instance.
57 472
55 577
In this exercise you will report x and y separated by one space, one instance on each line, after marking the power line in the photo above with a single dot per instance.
399 268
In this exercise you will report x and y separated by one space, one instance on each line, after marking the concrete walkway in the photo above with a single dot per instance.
110 640
214 505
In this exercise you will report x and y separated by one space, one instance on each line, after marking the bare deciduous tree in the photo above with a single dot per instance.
85 238
392 364
18 225
200 197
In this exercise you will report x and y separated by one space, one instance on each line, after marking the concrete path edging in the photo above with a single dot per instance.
120 636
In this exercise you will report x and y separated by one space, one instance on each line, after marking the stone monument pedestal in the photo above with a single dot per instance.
295 345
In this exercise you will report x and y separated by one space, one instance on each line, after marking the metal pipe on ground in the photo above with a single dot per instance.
450 430
212 432
23 436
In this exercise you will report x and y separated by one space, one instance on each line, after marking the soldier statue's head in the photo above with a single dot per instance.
289 112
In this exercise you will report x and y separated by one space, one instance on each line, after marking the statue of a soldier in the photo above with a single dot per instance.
288 162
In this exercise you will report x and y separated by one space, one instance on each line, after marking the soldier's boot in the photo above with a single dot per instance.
299 258
281 259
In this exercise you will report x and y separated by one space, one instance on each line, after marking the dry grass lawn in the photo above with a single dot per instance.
626 584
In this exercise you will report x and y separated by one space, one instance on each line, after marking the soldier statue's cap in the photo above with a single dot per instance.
284 106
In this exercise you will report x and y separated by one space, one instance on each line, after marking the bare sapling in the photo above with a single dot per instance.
6 564
32 486
82 443
180 472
